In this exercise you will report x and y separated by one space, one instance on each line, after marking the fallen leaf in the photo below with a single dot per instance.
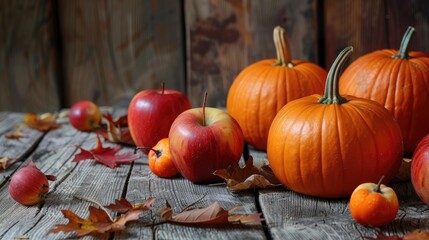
414 235
213 214
44 122
248 177
124 205
105 155
5 162
15 135
98 222
116 130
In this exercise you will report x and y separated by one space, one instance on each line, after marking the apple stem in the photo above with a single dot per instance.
162 87
204 108
377 188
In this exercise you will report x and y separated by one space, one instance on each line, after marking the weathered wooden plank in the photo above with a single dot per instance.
112 49
223 37
373 25
28 56
85 179
290 215
15 148
181 193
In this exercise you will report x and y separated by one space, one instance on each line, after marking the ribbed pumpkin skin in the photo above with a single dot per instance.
401 85
261 90
327 150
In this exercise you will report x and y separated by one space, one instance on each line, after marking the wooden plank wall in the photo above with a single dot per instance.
53 53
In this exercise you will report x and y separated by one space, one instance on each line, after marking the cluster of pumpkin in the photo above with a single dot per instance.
326 145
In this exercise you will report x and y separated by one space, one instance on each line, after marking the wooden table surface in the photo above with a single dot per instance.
287 215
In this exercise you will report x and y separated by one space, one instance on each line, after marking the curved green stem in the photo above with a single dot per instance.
332 94
403 49
282 48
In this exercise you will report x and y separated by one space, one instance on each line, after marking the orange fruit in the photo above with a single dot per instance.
160 161
374 204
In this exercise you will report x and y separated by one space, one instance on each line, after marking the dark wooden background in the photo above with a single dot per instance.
54 53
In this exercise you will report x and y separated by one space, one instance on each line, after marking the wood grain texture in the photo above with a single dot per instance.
15 148
224 36
373 25
291 215
181 194
85 179
28 56
113 49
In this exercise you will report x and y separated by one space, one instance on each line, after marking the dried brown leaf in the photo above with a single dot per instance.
414 235
44 122
116 130
15 135
123 205
5 162
211 215
248 177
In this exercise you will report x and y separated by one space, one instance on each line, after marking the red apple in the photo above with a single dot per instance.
203 140
85 116
420 169
151 113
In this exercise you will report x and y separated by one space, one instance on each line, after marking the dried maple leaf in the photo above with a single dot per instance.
98 222
248 177
116 130
44 122
15 135
124 205
414 235
105 155
5 162
213 214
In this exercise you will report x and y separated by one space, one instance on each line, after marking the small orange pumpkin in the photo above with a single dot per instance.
399 80
327 145
261 89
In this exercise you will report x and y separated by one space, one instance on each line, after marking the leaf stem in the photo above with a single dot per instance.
97 203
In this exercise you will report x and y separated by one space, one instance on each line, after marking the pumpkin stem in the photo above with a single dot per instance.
403 49
332 94
282 48
377 188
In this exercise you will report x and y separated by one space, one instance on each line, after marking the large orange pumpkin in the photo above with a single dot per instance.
261 89
399 80
327 145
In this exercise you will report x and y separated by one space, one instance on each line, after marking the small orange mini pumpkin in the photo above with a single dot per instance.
327 145
398 80
263 88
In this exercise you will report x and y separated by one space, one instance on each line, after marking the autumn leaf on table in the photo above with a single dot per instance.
15 135
98 222
5 162
116 130
105 155
248 177
44 122
414 235
124 205
213 214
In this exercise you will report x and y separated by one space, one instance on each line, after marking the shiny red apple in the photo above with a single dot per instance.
85 116
420 169
203 140
151 113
